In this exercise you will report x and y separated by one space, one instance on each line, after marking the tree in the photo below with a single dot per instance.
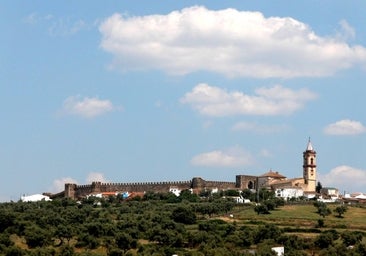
261 209
184 215
188 196
322 209
340 210
268 231
326 239
318 187
351 238
125 242
36 236
15 251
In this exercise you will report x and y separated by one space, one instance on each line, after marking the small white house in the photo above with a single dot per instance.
330 192
289 192
175 190
279 250
35 198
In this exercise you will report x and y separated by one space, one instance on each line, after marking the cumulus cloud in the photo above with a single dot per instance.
277 100
345 127
87 107
232 157
96 176
58 185
259 128
230 42
345 178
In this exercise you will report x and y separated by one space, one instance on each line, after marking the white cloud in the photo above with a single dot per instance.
230 42
96 176
345 178
277 100
35 18
265 153
66 27
87 107
345 127
233 157
58 26
346 32
258 128
58 185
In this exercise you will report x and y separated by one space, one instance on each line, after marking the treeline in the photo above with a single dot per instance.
156 224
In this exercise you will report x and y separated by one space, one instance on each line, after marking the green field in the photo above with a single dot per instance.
304 216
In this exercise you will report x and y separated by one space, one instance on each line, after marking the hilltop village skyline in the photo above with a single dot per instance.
281 185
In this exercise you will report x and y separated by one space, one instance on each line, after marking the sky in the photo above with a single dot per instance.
140 91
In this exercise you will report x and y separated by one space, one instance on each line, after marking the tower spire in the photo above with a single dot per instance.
309 147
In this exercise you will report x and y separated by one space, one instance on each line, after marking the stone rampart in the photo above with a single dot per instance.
196 184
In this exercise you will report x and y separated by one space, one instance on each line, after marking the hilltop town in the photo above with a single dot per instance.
306 186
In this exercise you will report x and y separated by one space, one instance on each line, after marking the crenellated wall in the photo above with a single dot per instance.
196 184
79 191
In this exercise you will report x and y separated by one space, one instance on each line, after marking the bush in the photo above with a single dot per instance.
184 215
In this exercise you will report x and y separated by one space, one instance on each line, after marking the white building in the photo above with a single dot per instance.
35 198
289 192
279 250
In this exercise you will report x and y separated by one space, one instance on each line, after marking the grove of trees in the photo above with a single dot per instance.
156 224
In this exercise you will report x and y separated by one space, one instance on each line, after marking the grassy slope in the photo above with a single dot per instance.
305 216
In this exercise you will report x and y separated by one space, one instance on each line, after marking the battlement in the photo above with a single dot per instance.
197 184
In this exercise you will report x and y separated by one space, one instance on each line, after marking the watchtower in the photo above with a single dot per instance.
309 168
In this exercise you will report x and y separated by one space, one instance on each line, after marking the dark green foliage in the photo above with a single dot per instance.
159 224
187 195
248 194
6 220
14 251
125 241
261 209
320 223
269 231
340 210
184 214
67 251
265 249
318 187
5 240
326 238
231 193
36 236
351 237
322 209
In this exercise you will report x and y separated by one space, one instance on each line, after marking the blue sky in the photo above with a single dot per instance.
126 91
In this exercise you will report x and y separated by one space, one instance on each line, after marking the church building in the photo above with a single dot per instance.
304 185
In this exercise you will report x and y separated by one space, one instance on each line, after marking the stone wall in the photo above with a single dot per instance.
196 184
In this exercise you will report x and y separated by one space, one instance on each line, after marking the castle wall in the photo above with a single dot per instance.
246 182
197 184
80 191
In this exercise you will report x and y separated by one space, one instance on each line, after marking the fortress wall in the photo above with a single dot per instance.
221 185
98 187
197 184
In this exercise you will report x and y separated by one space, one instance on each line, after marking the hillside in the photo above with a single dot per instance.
163 224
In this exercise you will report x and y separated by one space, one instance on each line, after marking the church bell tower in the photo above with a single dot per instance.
309 168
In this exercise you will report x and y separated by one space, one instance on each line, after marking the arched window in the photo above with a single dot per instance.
251 185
